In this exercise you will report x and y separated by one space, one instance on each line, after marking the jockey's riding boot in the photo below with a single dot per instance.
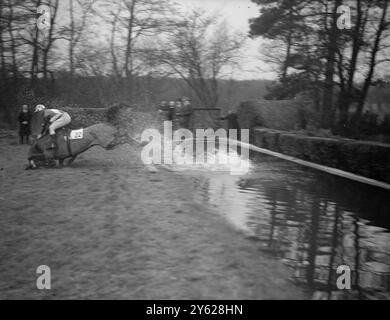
53 144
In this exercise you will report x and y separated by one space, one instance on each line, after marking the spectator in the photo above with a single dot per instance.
171 109
178 106
24 119
232 123
187 112
165 112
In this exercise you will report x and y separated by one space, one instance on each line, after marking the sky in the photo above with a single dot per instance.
237 13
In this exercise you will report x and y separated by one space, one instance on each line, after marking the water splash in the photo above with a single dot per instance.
218 161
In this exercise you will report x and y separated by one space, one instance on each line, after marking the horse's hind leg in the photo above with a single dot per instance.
71 160
115 143
61 163
123 139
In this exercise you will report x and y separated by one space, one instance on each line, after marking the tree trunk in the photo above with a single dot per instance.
35 58
47 48
327 102
129 45
35 54
2 56
72 40
374 53
112 48
13 43
347 91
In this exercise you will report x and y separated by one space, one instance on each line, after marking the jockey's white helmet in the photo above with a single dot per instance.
39 107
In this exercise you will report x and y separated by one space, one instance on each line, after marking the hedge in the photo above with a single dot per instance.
368 159
281 115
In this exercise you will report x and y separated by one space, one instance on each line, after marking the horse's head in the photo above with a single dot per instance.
37 124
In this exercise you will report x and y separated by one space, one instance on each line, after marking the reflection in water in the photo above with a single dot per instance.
313 222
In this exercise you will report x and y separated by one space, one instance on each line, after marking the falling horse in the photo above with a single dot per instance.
71 143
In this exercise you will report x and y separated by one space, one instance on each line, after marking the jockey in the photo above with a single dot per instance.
57 119
39 107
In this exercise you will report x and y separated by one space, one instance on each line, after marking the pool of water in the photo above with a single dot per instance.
312 221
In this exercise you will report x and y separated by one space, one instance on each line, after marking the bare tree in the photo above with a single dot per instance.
10 16
114 27
11 33
50 37
34 42
79 14
200 50
382 33
133 21
2 48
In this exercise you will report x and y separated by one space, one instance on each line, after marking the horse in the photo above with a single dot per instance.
70 145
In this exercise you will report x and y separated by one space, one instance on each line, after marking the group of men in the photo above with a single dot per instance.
179 112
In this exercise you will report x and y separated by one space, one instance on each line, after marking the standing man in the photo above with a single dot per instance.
187 112
177 114
232 122
24 119
164 111
171 107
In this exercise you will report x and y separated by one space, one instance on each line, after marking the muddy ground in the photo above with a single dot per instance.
110 229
